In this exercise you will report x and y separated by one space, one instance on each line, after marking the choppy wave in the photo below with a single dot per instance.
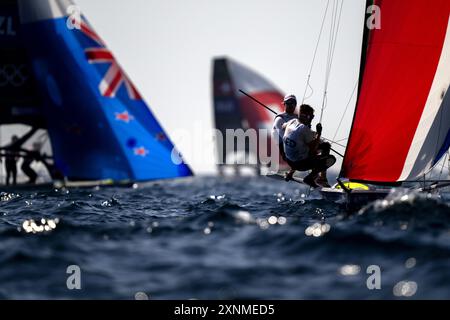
210 238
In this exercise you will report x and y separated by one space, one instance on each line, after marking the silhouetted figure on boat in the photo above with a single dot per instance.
28 159
12 155
290 104
35 155
11 162
305 150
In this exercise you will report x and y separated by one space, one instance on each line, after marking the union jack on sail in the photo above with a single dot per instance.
115 77
110 126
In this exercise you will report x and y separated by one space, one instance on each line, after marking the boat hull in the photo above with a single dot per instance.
355 199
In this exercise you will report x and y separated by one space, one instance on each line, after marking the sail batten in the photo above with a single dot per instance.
401 120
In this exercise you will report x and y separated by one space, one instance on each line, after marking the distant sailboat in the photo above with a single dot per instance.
233 110
401 127
99 126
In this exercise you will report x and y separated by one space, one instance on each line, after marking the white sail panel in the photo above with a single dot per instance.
434 124
401 125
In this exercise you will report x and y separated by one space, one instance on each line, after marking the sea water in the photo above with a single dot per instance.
220 238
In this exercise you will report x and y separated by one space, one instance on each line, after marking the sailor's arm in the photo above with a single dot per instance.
27 136
278 126
21 140
314 144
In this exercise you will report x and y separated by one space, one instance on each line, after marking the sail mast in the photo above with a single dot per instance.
364 47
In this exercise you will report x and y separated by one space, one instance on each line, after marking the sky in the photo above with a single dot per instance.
167 47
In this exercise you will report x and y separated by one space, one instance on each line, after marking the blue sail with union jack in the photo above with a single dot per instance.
99 125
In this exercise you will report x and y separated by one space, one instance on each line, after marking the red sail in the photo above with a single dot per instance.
402 90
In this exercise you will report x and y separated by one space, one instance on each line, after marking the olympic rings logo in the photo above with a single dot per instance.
14 75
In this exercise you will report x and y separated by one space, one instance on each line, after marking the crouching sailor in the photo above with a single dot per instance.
305 150
290 104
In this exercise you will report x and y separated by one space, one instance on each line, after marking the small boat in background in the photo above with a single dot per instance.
234 110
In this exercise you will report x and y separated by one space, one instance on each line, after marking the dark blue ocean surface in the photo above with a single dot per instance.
217 238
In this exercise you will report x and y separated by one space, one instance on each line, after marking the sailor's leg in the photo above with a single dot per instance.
29 172
325 162
324 148
282 153
14 174
290 175
33 176
322 163
311 178
323 180
330 161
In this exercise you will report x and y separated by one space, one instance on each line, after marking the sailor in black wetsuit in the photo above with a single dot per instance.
31 156
11 161
12 153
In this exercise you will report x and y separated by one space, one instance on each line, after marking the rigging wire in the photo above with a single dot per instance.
345 112
334 142
334 32
308 83
330 49
439 132
443 165
336 15
436 150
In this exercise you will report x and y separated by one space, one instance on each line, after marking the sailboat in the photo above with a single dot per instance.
234 110
63 79
401 126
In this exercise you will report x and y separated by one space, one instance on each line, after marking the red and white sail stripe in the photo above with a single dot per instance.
115 77
260 88
402 117
422 154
